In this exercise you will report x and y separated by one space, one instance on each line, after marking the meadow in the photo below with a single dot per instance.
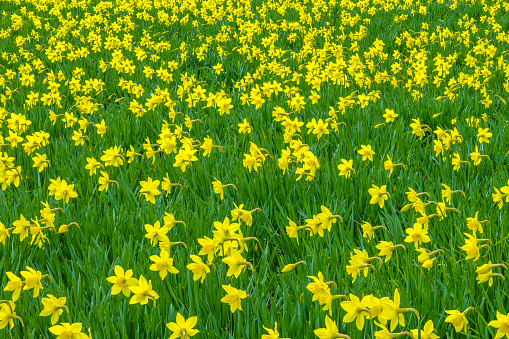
254 169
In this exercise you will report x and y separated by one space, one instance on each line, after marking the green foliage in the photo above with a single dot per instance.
272 42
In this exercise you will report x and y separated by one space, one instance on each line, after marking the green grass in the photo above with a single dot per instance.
112 223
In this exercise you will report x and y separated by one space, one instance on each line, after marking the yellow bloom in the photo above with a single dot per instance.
244 127
122 281
40 161
149 189
393 313
291 267
426 332
327 218
167 184
7 314
68 331
236 263
182 328
501 324
156 233
389 115
218 187
293 230
417 235
53 307
484 273
389 165
425 257
330 331
447 193
475 225
170 221
458 319
112 157
93 165
356 310
65 192
199 268
378 195
208 247
4 233
104 181
484 135
21 227
366 152
273 334
15 285
101 128
33 280
79 138
233 297
163 264
368 231
143 292
208 145
477 157
386 248
218 68
345 168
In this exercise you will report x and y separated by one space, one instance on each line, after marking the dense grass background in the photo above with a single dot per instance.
111 224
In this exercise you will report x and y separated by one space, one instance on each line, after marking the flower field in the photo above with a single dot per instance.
254 169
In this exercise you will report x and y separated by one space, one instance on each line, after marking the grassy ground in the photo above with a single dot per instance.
442 62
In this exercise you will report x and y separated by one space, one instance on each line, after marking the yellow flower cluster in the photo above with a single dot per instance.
125 115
